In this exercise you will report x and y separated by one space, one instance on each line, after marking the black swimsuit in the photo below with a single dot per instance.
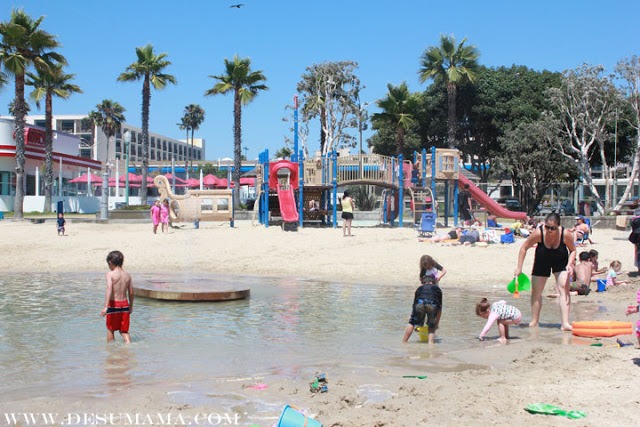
549 259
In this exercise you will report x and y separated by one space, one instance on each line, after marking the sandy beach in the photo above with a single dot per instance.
501 379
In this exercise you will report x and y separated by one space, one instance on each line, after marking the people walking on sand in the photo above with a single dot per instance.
164 216
118 300
155 215
499 312
348 206
464 205
555 253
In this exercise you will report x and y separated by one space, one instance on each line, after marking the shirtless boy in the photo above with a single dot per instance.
583 272
118 301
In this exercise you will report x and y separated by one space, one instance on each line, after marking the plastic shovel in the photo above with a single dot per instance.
542 408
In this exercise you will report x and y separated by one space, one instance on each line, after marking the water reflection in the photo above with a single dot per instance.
50 325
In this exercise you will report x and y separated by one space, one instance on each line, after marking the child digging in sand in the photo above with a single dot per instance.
118 301
612 274
499 311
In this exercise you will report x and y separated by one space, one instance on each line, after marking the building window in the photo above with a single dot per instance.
66 126
7 182
41 123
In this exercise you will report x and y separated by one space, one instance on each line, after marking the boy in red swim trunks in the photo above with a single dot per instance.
118 301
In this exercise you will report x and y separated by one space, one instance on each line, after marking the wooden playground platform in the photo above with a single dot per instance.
176 288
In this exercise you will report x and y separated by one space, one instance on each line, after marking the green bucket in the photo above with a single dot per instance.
524 283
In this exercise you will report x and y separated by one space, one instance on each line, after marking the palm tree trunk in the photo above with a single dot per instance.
146 100
19 120
186 158
48 152
237 146
451 119
323 135
192 152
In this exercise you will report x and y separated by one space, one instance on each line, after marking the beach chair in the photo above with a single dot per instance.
586 236
427 224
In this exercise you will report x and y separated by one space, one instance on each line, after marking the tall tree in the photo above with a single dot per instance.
245 84
184 125
46 85
149 68
330 91
191 120
455 64
628 70
109 116
398 109
585 103
24 44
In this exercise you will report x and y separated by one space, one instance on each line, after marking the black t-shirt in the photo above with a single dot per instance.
429 292
463 199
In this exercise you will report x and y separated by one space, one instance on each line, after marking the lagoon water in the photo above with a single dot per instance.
52 337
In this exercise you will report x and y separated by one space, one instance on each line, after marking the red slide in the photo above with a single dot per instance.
287 202
487 202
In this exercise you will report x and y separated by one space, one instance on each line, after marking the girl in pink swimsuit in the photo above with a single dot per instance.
155 215
164 215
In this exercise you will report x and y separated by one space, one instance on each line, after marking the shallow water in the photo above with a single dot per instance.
52 337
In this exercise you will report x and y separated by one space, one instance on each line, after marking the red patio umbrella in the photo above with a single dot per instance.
133 178
112 183
193 183
247 181
211 180
82 179
179 181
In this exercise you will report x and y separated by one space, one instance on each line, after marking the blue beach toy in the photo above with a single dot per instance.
291 417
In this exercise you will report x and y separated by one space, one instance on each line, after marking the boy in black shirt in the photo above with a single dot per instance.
427 303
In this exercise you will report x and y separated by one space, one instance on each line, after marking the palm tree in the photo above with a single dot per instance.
455 65
398 109
148 67
47 85
184 125
245 85
109 115
24 45
191 120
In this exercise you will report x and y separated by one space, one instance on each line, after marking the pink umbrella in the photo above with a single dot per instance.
112 183
223 183
247 181
211 180
179 181
193 183
82 179
133 178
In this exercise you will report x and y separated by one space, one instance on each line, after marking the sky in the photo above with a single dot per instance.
283 38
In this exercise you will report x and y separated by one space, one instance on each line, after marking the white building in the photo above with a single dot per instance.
67 164
94 142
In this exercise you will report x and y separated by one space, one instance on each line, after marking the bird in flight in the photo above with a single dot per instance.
237 6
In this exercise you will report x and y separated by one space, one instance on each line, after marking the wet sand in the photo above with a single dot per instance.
542 366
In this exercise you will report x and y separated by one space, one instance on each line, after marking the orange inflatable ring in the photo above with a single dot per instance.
605 328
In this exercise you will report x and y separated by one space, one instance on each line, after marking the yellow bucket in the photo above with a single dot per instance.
423 333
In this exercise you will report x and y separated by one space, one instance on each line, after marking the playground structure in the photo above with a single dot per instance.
196 205
306 190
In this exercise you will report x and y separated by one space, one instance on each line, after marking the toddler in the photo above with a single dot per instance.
61 224
614 270
498 311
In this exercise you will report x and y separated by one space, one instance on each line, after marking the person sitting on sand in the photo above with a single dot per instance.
580 283
593 256
612 274
499 311
492 221
470 237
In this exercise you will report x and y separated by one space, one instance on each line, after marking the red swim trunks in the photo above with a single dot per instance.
118 316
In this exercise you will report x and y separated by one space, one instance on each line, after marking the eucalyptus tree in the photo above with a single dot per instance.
330 91
455 65
191 120
24 44
46 85
245 84
585 103
397 110
628 71
149 68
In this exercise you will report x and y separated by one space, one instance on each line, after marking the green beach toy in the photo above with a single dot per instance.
420 377
524 284
542 408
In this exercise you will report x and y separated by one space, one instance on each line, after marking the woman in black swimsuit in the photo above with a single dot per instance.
555 253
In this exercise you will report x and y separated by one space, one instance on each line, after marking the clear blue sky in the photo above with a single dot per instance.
282 38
